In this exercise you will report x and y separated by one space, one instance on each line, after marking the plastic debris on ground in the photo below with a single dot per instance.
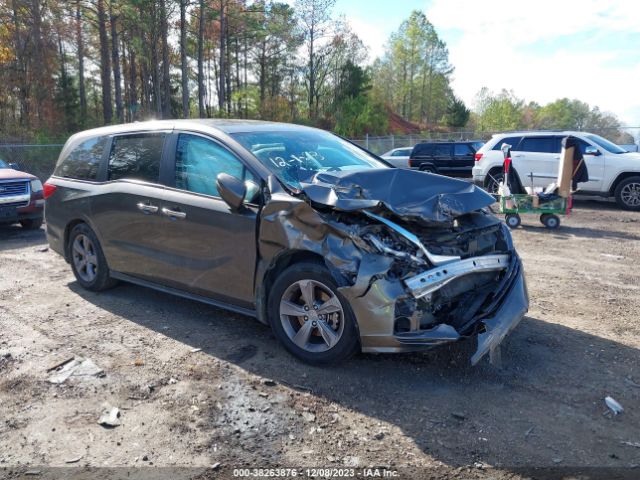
614 406
110 417
76 367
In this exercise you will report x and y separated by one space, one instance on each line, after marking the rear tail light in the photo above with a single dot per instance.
49 190
478 156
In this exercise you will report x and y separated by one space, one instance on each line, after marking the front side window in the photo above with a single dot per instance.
423 150
296 156
199 161
540 145
606 144
136 157
83 161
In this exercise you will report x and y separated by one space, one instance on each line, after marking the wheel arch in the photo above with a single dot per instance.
67 231
621 177
276 266
491 173
70 226
424 165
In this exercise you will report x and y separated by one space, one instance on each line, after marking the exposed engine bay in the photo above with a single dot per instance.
419 267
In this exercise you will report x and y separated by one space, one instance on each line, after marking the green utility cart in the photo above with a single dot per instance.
514 205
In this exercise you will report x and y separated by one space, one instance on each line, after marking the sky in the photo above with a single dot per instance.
542 50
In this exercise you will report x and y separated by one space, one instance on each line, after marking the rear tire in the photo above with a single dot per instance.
31 223
299 321
87 260
427 169
492 181
628 194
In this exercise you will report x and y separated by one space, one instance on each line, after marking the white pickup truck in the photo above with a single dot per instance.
613 171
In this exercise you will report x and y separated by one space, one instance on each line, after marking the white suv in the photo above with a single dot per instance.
613 172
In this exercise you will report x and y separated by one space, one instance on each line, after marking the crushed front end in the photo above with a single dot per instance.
419 257
465 280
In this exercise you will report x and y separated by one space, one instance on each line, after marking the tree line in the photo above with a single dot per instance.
505 111
75 64
67 65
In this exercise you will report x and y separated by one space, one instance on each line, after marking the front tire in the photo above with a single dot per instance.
87 260
310 317
628 194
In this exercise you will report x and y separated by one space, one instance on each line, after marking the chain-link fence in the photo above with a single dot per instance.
40 160
382 144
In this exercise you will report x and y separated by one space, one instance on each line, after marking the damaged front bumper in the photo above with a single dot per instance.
502 312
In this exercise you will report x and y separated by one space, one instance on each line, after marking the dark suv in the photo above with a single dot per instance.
453 159
307 232
21 197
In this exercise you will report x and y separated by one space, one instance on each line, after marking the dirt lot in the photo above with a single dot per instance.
242 401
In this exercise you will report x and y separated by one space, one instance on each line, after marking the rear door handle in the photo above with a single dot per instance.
517 156
173 213
146 208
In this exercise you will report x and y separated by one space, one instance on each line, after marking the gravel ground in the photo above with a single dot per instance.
197 386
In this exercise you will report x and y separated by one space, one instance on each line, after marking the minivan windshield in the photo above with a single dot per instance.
296 156
606 144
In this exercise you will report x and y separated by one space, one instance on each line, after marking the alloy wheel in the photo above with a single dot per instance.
630 194
85 259
312 316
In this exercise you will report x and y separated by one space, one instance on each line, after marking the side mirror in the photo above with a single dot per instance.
590 150
232 190
14 166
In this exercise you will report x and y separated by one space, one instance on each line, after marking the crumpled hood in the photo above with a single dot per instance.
410 194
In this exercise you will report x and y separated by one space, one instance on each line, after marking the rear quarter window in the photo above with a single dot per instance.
462 149
513 141
83 161
423 150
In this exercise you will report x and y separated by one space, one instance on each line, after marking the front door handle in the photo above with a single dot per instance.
173 213
146 208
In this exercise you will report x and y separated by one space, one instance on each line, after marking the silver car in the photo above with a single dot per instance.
398 157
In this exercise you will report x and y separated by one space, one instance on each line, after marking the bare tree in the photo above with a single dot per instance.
105 63
82 92
315 19
201 87
115 60
183 58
